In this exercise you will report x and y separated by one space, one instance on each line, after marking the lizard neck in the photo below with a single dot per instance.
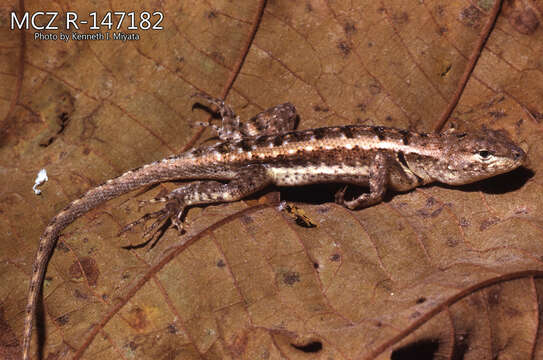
423 166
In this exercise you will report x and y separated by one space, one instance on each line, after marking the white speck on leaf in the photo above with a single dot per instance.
40 179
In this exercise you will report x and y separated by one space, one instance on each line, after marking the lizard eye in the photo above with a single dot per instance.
484 154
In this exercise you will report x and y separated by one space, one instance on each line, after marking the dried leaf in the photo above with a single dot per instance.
439 272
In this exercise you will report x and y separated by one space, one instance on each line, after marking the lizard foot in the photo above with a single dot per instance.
340 196
173 211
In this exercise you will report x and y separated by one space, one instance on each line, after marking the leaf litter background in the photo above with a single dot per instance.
437 273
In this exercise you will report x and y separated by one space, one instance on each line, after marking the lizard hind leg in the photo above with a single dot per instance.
230 128
172 210
275 120
250 180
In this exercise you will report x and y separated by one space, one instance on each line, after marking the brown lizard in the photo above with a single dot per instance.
265 151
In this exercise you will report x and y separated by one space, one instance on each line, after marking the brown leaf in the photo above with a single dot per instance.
439 272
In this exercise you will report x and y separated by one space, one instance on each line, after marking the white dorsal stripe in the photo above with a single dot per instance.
366 143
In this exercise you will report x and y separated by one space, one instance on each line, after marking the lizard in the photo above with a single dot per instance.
266 150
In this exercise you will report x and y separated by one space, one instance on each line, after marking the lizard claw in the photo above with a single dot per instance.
161 215
172 211
212 100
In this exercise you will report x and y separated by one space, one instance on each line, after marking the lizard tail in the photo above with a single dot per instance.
131 180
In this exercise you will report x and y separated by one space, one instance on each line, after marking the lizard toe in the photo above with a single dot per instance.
340 196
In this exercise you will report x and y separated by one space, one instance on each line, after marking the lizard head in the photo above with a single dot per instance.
463 158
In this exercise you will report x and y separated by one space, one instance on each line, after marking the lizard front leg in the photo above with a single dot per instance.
378 180
249 180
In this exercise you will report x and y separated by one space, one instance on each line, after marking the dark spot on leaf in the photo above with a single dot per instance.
318 108
362 107
489 222
311 347
315 265
525 21
446 70
221 263
79 295
63 110
471 16
452 242
421 350
425 213
498 114
218 56
374 89
344 47
538 116
389 118
62 246
89 267
335 257
442 30
323 209
137 318
239 345
349 28
211 14
132 345
63 320
172 329
401 18
512 312
494 296
246 219
291 277
436 212
308 7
